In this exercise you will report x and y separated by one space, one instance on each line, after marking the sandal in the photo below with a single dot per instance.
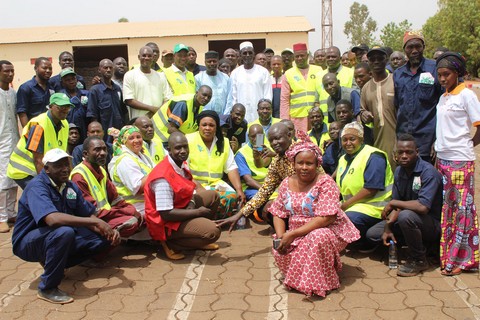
171 254
451 272
211 246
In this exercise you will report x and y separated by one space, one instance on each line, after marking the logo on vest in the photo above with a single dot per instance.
71 194
312 76
59 143
351 170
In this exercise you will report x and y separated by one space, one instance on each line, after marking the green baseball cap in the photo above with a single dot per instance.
60 99
67 71
179 47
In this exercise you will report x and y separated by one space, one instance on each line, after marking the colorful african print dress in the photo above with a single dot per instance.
313 261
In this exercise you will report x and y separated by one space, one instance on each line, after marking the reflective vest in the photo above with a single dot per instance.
182 194
177 82
98 189
160 119
274 120
206 168
258 174
324 137
344 76
302 95
157 154
121 188
21 163
353 182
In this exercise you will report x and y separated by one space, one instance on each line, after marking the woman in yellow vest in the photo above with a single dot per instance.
211 157
365 180
129 169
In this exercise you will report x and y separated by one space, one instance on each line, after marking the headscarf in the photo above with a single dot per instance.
353 128
125 132
304 144
453 61
218 133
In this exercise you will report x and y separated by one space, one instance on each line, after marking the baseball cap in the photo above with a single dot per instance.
73 126
60 99
54 155
268 50
166 52
67 71
379 50
179 47
287 50
360 47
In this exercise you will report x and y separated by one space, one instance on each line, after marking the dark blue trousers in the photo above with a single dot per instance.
59 248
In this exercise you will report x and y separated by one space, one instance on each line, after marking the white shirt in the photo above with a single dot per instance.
8 134
457 111
248 87
149 88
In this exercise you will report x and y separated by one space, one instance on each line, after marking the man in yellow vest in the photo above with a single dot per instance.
92 179
252 167
152 146
179 113
298 88
319 133
42 133
181 80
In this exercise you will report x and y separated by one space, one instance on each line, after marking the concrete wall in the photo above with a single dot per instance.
21 54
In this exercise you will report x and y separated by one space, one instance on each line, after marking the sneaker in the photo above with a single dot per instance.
368 248
4 227
54 295
412 268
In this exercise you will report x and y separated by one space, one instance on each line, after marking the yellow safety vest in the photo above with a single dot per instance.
345 77
353 182
160 119
121 188
302 95
98 189
158 153
206 168
274 120
177 82
21 163
324 137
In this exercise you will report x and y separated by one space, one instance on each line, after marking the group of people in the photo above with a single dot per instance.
330 152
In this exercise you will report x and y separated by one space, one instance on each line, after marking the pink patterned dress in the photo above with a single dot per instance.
312 261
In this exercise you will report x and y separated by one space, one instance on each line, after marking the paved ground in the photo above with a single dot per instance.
239 281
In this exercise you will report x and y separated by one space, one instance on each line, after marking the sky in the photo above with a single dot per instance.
28 13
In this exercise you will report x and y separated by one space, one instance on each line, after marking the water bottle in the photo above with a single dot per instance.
241 223
392 256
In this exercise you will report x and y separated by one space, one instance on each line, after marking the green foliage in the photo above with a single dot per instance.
392 34
456 26
361 26
123 19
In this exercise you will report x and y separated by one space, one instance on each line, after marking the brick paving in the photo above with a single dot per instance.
239 281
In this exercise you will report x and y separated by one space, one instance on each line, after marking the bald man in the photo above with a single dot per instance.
105 103
144 89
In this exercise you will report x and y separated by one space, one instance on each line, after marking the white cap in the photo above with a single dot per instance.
54 155
246 44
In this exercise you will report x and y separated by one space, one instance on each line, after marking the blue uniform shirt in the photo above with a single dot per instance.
416 98
41 198
424 185
106 106
32 99
56 83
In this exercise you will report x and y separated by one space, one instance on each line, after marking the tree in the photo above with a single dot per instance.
392 34
456 26
361 26
123 19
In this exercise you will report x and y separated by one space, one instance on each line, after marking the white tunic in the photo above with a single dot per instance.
248 87
9 134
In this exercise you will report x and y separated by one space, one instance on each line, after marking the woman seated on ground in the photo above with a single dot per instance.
309 251
365 180
211 157
129 169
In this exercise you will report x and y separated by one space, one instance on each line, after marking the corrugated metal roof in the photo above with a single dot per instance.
155 29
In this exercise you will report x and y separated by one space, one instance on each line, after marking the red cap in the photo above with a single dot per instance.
300 47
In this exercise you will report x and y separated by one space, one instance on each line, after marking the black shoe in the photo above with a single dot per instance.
54 295
368 248
412 268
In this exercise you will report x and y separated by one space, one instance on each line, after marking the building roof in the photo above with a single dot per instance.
155 29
